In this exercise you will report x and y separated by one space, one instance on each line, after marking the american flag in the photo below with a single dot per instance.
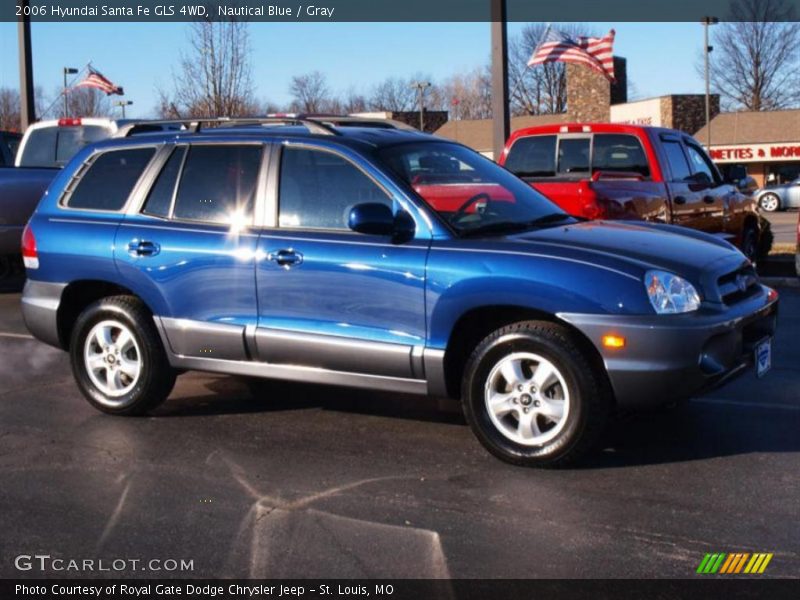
95 79
595 53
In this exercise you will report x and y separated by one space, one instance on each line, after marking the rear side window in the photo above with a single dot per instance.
573 155
159 200
109 179
677 161
533 156
318 189
619 153
218 184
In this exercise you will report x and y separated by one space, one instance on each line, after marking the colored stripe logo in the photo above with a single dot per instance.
735 563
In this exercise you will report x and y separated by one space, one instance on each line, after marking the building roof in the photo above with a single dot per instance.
753 127
477 134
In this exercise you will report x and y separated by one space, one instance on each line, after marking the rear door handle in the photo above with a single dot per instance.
286 258
709 199
143 248
679 200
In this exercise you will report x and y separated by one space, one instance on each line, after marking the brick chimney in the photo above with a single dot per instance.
590 95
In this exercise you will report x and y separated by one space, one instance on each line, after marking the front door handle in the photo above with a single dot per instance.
679 200
143 248
708 199
286 258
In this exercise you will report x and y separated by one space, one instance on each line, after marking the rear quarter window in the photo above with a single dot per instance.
107 181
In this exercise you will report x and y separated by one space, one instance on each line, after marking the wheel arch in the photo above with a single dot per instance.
477 323
80 294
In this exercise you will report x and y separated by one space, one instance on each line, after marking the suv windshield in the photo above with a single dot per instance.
471 193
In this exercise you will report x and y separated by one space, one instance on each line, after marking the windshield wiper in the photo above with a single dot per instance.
515 226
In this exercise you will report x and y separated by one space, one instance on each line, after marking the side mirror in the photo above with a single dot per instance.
375 218
747 185
372 218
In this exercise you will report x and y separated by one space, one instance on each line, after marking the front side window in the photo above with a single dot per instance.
218 184
702 165
470 192
318 189
677 161
110 179
533 156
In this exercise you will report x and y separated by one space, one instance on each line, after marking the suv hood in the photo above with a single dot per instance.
636 247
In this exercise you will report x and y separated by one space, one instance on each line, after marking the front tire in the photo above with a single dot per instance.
117 357
532 397
769 202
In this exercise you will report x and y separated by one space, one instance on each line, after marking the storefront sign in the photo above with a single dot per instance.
643 112
755 152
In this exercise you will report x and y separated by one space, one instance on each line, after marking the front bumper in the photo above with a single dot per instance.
673 357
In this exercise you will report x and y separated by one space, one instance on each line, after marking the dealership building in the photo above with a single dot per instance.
766 143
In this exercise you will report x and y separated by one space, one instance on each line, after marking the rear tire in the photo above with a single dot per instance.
117 357
769 202
533 398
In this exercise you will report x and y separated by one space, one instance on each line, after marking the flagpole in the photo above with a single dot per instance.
527 66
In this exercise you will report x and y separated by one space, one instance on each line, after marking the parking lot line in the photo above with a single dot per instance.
22 336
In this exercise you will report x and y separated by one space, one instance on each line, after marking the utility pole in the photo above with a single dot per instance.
122 104
707 21
421 87
501 120
67 71
27 103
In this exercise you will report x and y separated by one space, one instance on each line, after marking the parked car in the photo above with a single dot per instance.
779 196
631 172
314 253
9 142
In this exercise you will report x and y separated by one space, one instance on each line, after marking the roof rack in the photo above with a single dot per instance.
197 125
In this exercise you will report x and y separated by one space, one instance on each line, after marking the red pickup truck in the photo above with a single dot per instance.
615 171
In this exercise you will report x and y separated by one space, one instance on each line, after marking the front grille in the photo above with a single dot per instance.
738 285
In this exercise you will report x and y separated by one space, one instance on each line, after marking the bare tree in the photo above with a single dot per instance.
354 102
214 79
541 89
86 102
755 59
466 96
9 109
310 93
394 95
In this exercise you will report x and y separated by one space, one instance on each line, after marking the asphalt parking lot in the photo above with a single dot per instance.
309 481
784 226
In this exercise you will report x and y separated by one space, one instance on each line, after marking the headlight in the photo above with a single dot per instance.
670 294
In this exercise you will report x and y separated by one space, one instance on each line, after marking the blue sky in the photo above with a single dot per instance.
141 56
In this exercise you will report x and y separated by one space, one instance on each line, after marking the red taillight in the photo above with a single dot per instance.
772 295
29 254
69 122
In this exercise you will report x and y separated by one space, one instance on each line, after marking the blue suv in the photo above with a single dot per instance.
312 251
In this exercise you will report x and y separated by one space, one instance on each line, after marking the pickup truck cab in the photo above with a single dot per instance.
311 252
615 171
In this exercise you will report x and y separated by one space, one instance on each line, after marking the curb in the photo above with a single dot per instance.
791 282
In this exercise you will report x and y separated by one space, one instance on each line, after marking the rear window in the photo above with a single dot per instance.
619 153
109 179
55 146
573 155
533 156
